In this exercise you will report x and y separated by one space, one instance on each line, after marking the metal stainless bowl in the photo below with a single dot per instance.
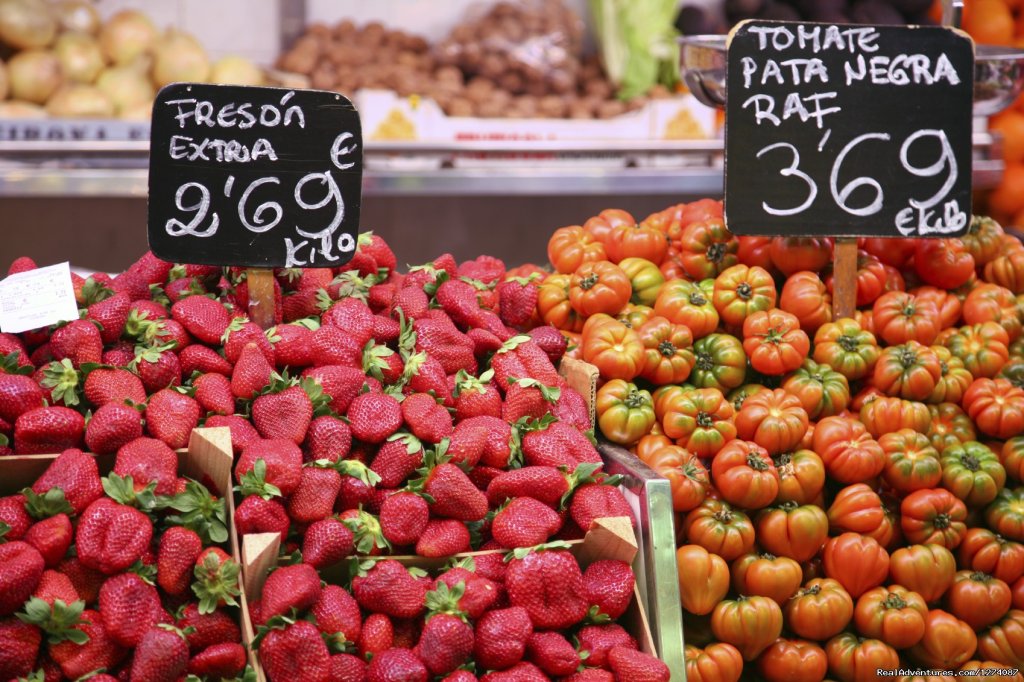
998 73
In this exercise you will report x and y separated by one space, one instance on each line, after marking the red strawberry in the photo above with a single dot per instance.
144 310
548 443
598 640
158 368
551 341
517 298
347 668
242 431
257 515
20 650
314 499
609 587
447 639
151 269
327 438
484 342
374 416
340 383
110 537
148 460
54 585
593 501
21 264
61 381
332 345
375 246
476 397
403 518
525 522
53 534
111 314
501 637
390 589
571 409
549 585
199 358
487 269
412 303
18 394
544 483
552 653
338 617
295 652
113 385
129 606
213 393
252 372
396 664
292 345
12 347
353 316
161 655
443 537
87 582
386 329
203 317
455 496
429 421
366 531
171 416
47 430
523 671
506 364
216 582
377 634
209 629
98 651
478 594
283 467
629 664
286 411
458 299
469 441
299 305
527 398
220 661
240 333
444 342
14 515
22 569
326 543
176 560
79 341
290 587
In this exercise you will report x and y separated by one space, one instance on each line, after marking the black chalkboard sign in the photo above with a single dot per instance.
260 177
848 130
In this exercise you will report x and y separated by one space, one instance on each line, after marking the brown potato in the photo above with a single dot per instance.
611 108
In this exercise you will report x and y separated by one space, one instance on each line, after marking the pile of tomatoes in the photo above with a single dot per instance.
849 492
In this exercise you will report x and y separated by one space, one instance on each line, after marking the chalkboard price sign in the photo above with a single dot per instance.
848 130
259 177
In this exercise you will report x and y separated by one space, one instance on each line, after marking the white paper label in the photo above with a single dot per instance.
37 298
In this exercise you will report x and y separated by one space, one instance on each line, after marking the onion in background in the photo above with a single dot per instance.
80 57
80 101
35 75
126 88
179 58
26 24
234 70
77 15
21 110
126 36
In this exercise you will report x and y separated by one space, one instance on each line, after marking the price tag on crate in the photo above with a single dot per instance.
848 130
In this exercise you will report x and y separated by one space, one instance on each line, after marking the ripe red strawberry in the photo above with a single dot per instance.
557 444
148 460
292 345
252 372
571 409
203 317
285 412
129 606
299 305
47 430
213 393
176 560
609 587
242 431
12 346
549 585
478 594
21 264
469 441
152 269
157 367
113 385
487 269
61 382
546 484
429 421
525 522
220 661
53 534
338 616
99 651
353 316
18 394
386 330
373 417
22 569
517 300
208 629
14 515
396 664
290 587
445 343
171 416
527 398
630 664
333 345
110 537
295 652
458 299
314 499
240 333
216 583
501 637
455 496
199 358
375 246
161 655
20 650
87 582
326 543
111 314
347 668
377 634
79 341
506 364
523 671
340 383
412 303
54 585
551 341
593 501
447 639
366 531
443 537
389 588
327 438
552 653
403 518
283 467
598 640
257 515
476 397
484 342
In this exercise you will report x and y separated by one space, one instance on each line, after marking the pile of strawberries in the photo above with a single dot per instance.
123 577
384 414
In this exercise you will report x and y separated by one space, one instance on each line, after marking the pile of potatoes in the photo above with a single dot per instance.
517 60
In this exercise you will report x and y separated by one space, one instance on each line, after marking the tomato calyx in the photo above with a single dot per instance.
941 521
909 310
704 420
634 400
970 462
588 282
715 253
894 601
745 291
810 591
697 299
979 577
723 516
667 348
767 556
907 357
847 343
705 362
773 335
755 462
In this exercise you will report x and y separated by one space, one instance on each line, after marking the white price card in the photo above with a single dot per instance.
37 298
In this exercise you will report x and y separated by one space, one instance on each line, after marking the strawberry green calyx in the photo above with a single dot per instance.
407 338
59 622
359 567
236 324
595 616
145 571
275 623
549 393
477 284
526 424
150 354
513 343
176 630
216 582
355 469
201 512
50 503
4 530
122 490
63 380
366 532
411 442
40 676
314 390
516 457
9 365
374 363
523 552
254 482
337 643
158 295
466 382
94 291
351 285
587 472
417 572
465 562
444 599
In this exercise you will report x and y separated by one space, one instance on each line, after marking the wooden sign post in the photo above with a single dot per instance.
848 131
257 177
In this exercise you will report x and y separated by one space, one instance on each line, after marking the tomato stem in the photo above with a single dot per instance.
697 299
715 253
704 420
745 291
755 462
588 282
847 343
667 348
